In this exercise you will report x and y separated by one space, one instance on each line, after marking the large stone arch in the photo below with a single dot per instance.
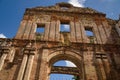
69 55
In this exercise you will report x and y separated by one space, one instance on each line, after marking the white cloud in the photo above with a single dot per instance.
77 3
69 64
2 36
66 27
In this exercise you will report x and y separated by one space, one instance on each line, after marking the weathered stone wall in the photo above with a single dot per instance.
28 58
53 16
33 60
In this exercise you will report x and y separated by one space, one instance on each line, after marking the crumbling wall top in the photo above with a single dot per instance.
65 7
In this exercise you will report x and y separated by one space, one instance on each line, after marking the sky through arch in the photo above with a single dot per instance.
64 63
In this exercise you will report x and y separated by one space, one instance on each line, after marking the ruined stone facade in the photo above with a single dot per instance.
30 55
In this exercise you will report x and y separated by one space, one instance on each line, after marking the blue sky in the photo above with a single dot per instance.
11 12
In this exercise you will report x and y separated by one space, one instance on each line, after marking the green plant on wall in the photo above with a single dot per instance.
76 78
39 36
91 38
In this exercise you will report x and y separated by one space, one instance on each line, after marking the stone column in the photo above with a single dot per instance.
52 31
29 67
47 29
78 32
22 68
27 29
90 71
32 31
43 75
11 55
101 69
72 33
2 59
27 62
57 30
107 67
4 50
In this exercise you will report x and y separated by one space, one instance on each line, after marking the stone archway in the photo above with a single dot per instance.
66 55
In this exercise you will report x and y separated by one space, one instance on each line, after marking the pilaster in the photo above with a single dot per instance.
4 51
90 71
44 66
26 65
